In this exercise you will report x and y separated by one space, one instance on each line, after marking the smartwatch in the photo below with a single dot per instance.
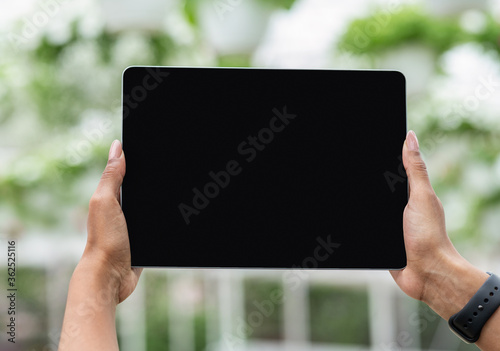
467 323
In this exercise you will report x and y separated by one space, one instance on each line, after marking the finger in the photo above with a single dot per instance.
418 178
113 174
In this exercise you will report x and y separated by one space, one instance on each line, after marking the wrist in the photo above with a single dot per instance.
98 277
452 284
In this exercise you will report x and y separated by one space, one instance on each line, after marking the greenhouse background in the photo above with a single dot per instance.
60 74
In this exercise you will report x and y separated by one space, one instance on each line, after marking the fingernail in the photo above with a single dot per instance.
115 150
412 141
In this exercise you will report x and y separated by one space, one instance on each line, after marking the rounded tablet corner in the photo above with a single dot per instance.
400 266
401 75
128 68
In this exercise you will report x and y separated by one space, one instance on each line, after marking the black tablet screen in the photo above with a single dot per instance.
230 167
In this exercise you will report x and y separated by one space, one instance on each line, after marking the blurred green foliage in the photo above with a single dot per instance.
191 6
383 30
67 87
158 318
31 308
428 327
444 126
157 335
200 330
52 93
339 315
258 301
55 92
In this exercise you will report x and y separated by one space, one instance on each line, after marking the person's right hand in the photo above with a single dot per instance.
433 264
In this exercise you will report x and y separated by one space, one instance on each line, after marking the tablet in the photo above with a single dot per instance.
264 168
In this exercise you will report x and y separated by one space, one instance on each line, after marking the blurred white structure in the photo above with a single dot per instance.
139 15
224 293
235 28
300 38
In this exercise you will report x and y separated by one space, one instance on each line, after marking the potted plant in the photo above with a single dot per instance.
234 28
407 39
130 14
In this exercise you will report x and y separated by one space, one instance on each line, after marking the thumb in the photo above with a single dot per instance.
113 174
418 179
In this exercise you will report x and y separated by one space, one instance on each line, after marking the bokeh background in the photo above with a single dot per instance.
60 75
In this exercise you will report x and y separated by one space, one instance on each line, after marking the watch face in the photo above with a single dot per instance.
264 168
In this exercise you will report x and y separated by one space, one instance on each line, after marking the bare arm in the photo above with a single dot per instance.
103 277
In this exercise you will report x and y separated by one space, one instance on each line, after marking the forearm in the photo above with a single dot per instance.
89 319
451 286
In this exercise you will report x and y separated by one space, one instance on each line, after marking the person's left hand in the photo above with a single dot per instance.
108 250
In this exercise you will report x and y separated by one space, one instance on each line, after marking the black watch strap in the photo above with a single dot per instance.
467 323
